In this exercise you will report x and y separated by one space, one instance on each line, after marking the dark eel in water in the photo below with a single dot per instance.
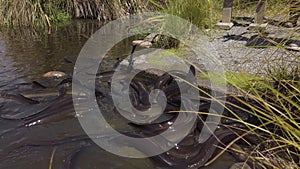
32 110
163 81
189 153
18 97
204 152
142 100
58 109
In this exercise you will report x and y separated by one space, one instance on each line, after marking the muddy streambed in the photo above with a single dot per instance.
59 141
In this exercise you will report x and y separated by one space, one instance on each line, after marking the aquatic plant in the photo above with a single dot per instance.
59 11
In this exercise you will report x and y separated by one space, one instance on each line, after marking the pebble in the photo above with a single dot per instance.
293 45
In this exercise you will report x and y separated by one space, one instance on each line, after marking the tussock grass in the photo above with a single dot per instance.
203 13
275 102
279 116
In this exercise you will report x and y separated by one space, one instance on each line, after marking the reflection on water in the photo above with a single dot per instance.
25 55
33 53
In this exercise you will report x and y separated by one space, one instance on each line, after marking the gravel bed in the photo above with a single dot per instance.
242 50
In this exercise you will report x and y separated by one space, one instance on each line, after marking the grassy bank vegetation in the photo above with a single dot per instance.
206 13
247 7
277 108
203 13
274 101
45 13
34 13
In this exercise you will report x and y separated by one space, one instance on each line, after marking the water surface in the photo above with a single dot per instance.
25 55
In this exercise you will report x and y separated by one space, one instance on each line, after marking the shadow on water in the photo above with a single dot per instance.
25 55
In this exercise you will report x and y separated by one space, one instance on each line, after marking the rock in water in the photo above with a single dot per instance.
142 43
56 74
240 165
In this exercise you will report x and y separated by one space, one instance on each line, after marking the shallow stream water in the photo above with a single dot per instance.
25 55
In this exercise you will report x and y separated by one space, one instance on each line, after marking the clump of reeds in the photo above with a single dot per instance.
44 13
26 12
34 13
108 10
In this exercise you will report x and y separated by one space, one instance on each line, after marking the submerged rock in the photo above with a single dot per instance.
56 74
